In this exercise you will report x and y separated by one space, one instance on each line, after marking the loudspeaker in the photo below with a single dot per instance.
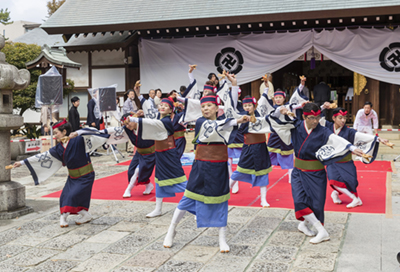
51 90
107 99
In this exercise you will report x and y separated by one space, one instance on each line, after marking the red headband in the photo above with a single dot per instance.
343 113
59 124
249 100
169 101
315 113
124 118
211 99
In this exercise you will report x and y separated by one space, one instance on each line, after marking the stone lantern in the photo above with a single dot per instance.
12 194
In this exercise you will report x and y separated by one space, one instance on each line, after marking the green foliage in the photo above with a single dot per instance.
5 17
18 54
31 131
53 5
70 88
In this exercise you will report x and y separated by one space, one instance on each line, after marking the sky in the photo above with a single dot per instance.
26 10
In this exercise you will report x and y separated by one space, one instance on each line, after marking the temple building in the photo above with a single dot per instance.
353 46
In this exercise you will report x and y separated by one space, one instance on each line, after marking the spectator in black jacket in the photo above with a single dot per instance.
73 115
322 93
92 121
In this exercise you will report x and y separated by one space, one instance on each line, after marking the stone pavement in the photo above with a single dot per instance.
120 238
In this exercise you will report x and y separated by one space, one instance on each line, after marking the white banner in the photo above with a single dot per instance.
374 53
164 62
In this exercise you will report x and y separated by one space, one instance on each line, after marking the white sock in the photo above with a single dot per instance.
132 183
149 188
322 234
235 187
223 246
311 218
304 229
230 161
176 218
290 175
85 217
157 210
63 219
345 191
232 183
263 192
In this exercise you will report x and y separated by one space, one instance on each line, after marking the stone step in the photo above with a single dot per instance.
388 151
390 136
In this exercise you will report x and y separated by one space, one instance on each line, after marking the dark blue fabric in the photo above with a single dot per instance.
208 215
181 142
309 188
253 157
344 172
209 178
33 173
168 125
76 192
309 191
284 161
145 162
168 164
189 88
91 118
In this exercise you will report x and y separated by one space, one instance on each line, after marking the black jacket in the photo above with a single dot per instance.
73 118
322 93
91 118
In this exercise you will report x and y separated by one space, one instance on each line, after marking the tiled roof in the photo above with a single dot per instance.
40 37
97 40
56 56
75 13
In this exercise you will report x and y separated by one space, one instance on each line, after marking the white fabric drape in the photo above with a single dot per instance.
164 62
359 50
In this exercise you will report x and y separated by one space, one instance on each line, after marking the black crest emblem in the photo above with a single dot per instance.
230 60
390 57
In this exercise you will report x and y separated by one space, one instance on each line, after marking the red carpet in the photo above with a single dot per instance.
372 190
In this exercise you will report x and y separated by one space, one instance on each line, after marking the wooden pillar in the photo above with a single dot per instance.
373 93
255 88
392 107
395 102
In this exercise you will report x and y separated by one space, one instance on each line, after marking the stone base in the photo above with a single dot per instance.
16 213
12 196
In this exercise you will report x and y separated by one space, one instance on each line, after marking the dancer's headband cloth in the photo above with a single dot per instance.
249 100
315 113
343 113
169 101
59 124
209 87
210 99
125 118
302 77
277 93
